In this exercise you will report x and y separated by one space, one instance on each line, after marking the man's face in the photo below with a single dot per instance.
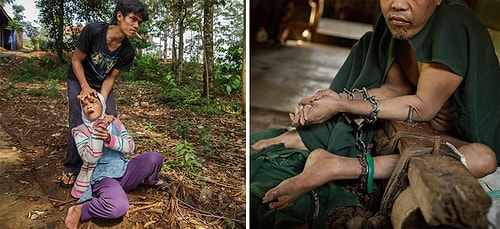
405 18
129 24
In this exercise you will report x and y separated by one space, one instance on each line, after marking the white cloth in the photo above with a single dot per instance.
90 124
491 184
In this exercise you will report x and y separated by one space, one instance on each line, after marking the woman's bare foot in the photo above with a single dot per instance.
73 217
320 168
291 139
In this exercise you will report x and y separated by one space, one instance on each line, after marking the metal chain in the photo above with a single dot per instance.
360 144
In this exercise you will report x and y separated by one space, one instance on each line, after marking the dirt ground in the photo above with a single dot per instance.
33 133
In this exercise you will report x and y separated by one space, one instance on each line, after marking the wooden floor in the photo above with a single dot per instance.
281 75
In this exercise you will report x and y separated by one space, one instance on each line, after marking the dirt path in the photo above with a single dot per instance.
22 200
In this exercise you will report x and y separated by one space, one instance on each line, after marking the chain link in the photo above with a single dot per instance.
360 144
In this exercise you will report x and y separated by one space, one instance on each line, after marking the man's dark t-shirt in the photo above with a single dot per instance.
100 60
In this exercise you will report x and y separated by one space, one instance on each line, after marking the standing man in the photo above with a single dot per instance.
102 52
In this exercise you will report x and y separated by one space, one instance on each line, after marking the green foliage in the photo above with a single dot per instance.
4 2
152 143
230 223
192 70
52 88
37 70
56 15
14 25
147 68
229 68
228 82
168 82
150 126
30 30
37 92
46 63
222 140
205 140
11 89
182 127
5 59
185 158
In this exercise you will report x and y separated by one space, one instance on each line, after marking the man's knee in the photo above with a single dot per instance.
480 159
318 154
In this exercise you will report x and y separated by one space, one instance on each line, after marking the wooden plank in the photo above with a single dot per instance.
409 144
405 211
446 192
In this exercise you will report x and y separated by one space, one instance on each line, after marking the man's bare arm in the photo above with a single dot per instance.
107 84
435 85
76 62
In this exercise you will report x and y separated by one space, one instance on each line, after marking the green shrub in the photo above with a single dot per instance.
37 92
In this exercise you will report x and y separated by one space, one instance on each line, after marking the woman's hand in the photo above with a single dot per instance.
108 119
102 133
101 130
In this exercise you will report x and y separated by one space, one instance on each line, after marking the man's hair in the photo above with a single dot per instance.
130 6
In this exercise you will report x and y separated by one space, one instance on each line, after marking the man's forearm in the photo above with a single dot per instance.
109 81
80 74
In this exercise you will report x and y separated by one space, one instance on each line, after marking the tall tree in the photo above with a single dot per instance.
56 15
182 13
53 16
208 47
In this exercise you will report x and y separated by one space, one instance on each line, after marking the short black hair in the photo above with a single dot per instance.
130 6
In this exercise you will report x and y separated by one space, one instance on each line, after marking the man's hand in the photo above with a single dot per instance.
316 109
87 92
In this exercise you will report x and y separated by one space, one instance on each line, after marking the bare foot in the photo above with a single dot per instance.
291 139
320 168
73 217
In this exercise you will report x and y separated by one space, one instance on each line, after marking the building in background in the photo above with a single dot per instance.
7 37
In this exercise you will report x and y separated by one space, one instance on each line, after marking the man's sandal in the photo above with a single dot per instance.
67 180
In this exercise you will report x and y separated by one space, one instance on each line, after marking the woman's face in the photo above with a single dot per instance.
92 108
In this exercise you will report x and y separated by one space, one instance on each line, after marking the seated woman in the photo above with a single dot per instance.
106 175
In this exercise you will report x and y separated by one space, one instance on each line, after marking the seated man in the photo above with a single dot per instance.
102 142
434 56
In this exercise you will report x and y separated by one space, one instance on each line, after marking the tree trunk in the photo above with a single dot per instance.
60 28
181 43
174 46
208 48
19 40
165 44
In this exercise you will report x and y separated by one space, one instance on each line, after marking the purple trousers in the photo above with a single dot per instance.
109 195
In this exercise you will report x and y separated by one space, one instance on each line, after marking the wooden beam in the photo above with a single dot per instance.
406 213
447 193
